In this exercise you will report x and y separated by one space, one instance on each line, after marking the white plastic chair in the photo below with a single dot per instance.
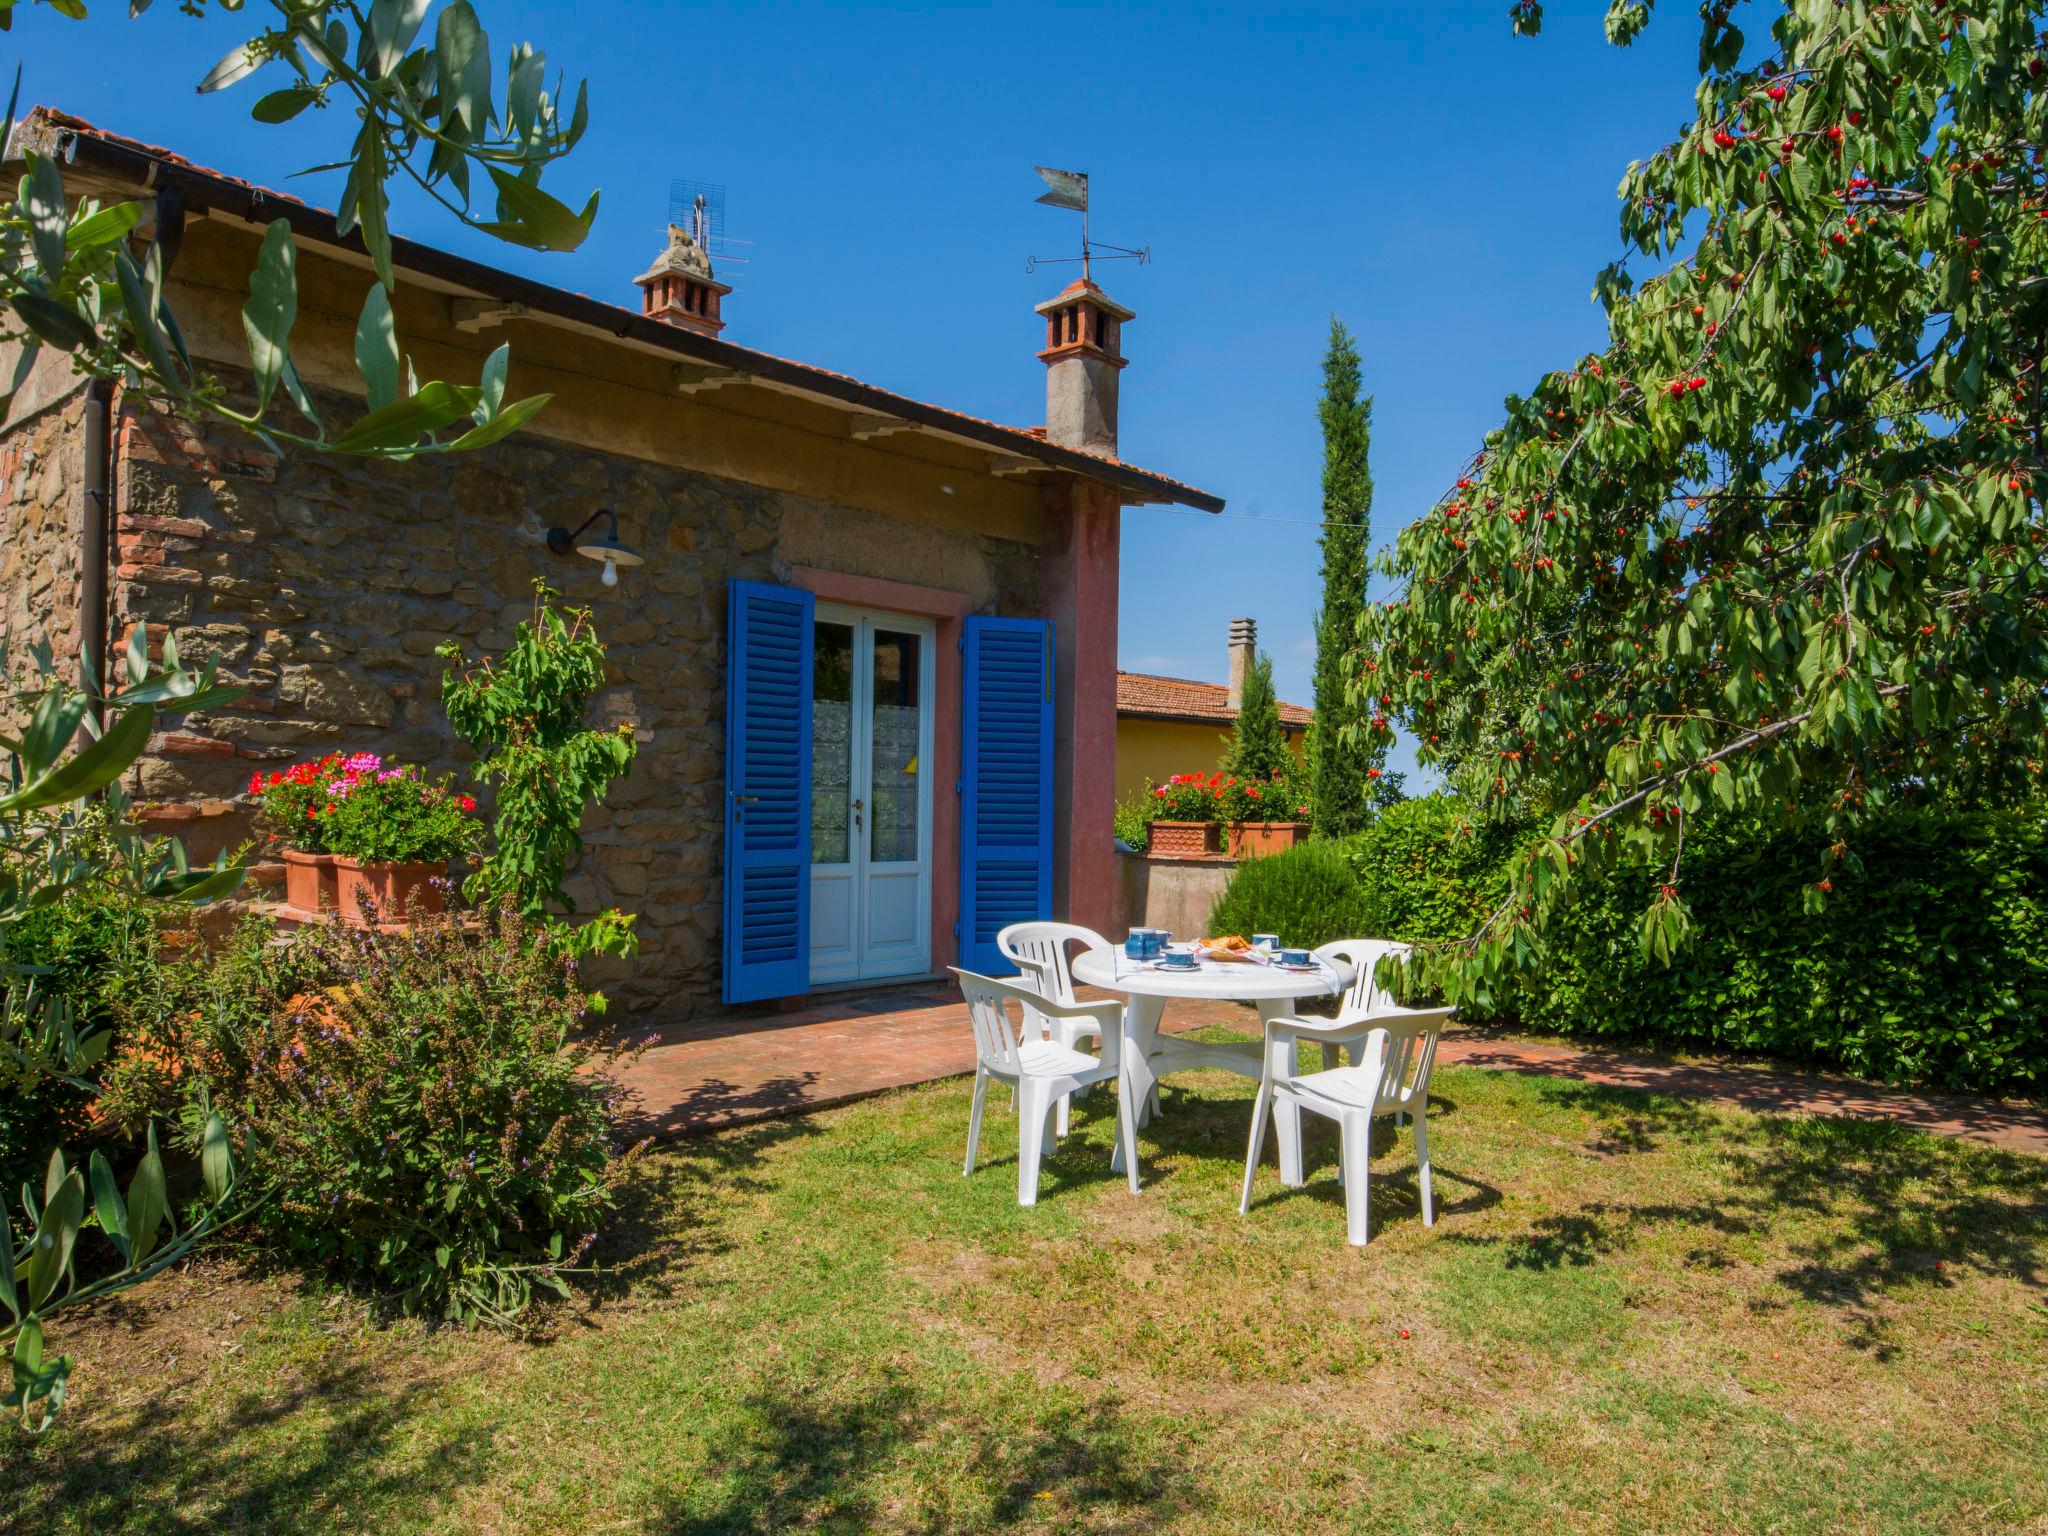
1364 997
1042 1071
1389 1075
1041 953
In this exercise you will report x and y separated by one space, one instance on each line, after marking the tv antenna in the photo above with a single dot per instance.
699 207
1069 189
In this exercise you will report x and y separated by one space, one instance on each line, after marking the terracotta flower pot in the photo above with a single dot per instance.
309 881
1182 839
399 891
1256 839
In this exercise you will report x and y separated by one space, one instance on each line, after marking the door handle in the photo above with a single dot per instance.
856 812
746 799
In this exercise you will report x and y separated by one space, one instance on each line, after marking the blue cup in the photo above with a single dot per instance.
1179 962
1295 957
1138 945
1266 940
1155 941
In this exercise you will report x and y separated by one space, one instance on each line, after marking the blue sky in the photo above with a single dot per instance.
1444 187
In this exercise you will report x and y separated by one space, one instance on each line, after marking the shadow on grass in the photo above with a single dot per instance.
866 1464
672 1211
1394 1189
154 1470
1194 1126
1858 1208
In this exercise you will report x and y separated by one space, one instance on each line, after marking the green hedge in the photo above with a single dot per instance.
1929 965
1419 872
1426 871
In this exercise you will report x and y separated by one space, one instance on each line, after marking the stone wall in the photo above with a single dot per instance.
42 511
324 584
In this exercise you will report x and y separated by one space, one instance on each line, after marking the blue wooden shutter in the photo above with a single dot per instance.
1006 788
767 792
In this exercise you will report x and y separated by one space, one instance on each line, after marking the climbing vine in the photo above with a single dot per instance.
524 713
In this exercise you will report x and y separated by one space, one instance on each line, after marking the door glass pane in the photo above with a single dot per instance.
831 741
892 795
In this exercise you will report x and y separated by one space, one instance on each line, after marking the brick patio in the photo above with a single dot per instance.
722 1072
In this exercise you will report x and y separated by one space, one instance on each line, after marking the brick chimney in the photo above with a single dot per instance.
1083 356
1244 641
680 288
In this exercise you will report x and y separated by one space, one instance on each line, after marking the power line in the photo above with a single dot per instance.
1253 517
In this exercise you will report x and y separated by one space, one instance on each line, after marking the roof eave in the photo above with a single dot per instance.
1175 717
206 191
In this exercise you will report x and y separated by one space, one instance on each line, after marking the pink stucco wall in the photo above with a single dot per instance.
1077 587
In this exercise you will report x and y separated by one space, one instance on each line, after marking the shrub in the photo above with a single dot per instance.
432 1108
1929 964
76 949
1134 815
1427 871
182 1017
1308 895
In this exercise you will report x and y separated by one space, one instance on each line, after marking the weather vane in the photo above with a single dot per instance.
1069 189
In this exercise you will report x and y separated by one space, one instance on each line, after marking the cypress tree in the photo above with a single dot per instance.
1345 791
1259 749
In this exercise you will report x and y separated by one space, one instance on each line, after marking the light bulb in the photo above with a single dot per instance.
611 572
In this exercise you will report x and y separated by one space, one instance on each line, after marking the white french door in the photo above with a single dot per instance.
871 839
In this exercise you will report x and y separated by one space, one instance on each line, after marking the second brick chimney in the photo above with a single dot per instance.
1083 356
1244 643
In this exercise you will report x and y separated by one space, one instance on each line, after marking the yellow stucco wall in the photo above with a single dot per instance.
1155 750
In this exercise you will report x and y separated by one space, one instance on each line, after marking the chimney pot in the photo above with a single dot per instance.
1082 357
680 289
1244 642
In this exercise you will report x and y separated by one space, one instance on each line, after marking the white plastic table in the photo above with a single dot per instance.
1148 1055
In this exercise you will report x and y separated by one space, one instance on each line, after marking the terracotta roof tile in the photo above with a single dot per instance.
1178 698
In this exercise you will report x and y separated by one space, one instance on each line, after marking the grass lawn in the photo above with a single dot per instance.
1632 1315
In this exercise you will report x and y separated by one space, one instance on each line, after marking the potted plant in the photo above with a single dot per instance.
382 833
1263 817
289 802
1183 824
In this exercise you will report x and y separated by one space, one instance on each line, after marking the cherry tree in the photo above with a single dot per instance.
1775 550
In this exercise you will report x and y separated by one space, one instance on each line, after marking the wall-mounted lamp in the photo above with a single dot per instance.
606 547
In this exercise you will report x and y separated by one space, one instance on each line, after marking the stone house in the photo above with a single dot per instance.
869 656
1169 725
